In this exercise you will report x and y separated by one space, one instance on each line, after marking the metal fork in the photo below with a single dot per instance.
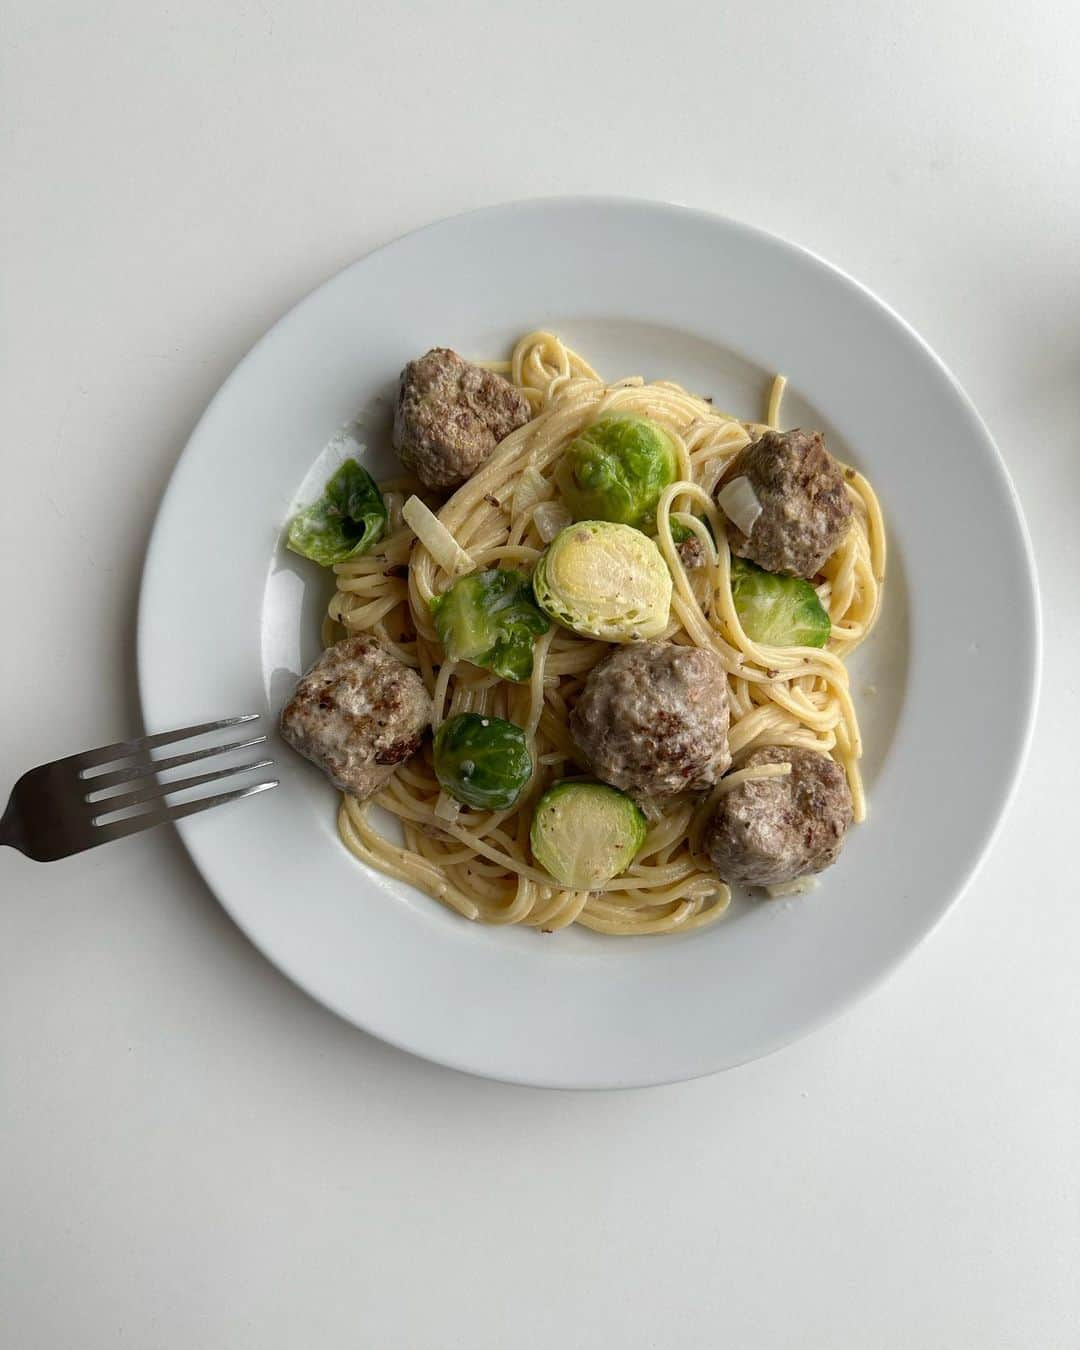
69 805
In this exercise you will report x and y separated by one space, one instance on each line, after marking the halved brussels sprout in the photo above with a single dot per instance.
482 761
605 581
586 833
490 619
346 520
616 470
778 611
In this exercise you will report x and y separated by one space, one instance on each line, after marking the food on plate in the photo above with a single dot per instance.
652 719
616 470
788 509
482 761
491 619
450 417
625 583
604 580
782 815
586 833
690 549
358 713
348 519
779 611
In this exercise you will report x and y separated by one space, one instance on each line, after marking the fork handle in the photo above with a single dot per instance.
11 827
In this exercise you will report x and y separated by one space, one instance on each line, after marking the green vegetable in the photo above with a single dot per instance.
482 761
778 611
490 618
585 833
347 519
680 532
616 470
605 581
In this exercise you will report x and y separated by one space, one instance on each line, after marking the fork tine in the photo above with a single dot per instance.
161 814
124 749
122 800
130 772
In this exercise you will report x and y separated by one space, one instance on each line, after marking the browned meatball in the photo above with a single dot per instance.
653 719
805 509
357 714
771 830
450 417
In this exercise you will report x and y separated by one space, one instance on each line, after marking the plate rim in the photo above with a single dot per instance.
1032 670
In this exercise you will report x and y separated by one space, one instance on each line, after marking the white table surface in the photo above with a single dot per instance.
193 1154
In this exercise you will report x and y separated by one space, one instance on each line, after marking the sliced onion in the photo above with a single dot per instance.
712 473
446 808
532 487
394 503
436 538
650 808
549 518
739 503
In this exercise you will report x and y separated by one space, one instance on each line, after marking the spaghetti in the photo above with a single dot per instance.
478 862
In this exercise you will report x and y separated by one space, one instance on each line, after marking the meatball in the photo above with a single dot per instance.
653 719
451 415
691 552
770 830
357 714
805 509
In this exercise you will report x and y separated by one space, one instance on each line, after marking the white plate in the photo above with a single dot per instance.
227 620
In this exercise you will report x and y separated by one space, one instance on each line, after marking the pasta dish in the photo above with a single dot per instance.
624 615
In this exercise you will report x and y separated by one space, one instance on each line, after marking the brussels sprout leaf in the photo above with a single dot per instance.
348 519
